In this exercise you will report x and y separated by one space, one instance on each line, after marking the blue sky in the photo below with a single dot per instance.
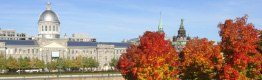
115 20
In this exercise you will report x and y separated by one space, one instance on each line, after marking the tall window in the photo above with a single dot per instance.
36 50
33 51
56 28
53 27
49 28
42 28
28 50
45 28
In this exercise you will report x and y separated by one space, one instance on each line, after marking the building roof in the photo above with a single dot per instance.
69 43
18 42
117 44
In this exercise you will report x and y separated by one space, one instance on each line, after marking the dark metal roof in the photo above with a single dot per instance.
117 44
91 44
18 42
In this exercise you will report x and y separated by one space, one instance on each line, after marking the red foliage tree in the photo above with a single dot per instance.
200 59
239 43
154 58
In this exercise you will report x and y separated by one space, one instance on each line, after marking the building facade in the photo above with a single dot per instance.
10 34
49 45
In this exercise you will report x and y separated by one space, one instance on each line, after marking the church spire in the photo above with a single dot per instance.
181 25
160 26
48 6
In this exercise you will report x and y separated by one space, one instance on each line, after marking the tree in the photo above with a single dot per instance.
93 63
154 58
40 64
2 61
24 63
78 62
113 63
239 39
259 44
53 64
11 63
33 63
200 59
67 63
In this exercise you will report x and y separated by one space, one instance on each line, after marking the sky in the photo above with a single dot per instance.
115 20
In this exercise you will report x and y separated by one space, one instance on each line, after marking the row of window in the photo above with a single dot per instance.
19 35
12 38
17 51
45 28
72 51
120 51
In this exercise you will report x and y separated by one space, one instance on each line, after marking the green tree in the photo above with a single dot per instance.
11 64
53 65
113 63
2 62
90 63
40 64
24 63
67 63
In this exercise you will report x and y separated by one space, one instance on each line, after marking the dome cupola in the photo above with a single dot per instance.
48 15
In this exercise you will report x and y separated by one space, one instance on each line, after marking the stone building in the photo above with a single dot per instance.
49 45
181 39
10 34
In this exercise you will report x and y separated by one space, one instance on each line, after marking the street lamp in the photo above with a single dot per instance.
19 61
82 62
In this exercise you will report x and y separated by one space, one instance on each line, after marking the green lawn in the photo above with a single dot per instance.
56 73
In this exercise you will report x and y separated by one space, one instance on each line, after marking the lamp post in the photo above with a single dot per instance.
19 62
82 62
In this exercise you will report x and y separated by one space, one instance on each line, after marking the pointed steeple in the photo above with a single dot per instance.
181 25
160 26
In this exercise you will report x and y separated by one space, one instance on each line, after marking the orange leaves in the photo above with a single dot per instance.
153 59
238 44
198 59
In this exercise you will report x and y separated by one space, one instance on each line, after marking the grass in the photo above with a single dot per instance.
56 73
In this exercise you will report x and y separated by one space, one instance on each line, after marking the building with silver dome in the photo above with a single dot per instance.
49 45
48 24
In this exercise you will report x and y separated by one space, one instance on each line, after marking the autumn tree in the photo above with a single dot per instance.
200 59
154 58
32 63
12 64
259 44
77 62
239 43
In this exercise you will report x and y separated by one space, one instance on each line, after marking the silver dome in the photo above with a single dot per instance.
48 15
